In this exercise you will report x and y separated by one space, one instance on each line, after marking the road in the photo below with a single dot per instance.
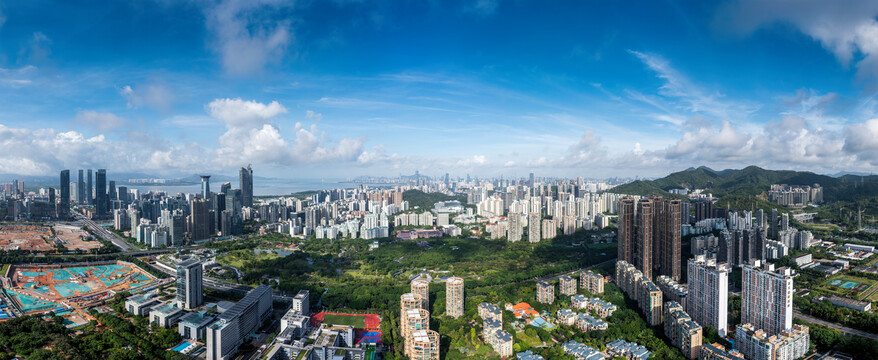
221 285
842 329
104 233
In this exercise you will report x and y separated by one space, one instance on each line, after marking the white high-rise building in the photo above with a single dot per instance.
301 303
767 300
708 299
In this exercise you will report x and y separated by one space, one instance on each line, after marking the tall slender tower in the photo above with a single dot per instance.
626 230
454 297
80 189
102 203
89 199
247 186
205 186
668 238
63 210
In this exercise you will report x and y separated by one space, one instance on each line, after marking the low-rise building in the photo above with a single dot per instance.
545 292
582 352
140 304
529 355
192 326
650 301
490 311
567 285
629 350
502 343
587 322
601 308
165 315
716 351
850 303
591 282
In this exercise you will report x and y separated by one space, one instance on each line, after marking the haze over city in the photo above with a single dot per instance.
487 87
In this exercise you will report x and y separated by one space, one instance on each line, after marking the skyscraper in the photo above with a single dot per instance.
226 186
205 186
89 199
112 191
421 287
80 189
247 186
189 282
767 299
626 230
102 203
200 222
533 227
63 210
708 298
454 297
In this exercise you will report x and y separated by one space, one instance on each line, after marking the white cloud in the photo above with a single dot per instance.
862 140
37 49
310 114
102 121
245 36
154 96
240 113
483 7
17 77
848 29
474 161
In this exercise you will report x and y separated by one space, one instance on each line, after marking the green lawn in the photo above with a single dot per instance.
358 322
851 293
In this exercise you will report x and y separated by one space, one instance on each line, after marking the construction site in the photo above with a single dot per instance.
45 237
69 288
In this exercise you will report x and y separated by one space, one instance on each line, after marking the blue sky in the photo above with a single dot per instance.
345 88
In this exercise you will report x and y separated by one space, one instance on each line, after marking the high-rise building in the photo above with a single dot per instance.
80 189
413 320
643 243
63 210
111 192
226 186
200 225
626 230
246 175
533 227
708 298
102 203
89 190
189 284
757 344
421 287
454 297
767 299
513 231
205 186
668 237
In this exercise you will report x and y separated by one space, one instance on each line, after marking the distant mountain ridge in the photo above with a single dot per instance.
753 180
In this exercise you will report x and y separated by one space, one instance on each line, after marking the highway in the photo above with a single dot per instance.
842 329
104 234
221 285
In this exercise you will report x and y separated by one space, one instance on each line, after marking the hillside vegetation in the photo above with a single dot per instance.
752 181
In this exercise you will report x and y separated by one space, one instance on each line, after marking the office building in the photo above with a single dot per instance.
246 176
545 292
684 333
767 299
165 315
423 345
302 303
102 202
591 282
63 210
140 304
80 189
707 300
567 285
757 344
421 287
454 297
200 224
227 333
189 284
89 189
193 325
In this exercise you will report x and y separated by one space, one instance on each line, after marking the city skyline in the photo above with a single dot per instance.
603 90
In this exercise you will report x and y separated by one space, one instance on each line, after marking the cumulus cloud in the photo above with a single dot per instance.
154 96
245 36
252 136
847 28
311 115
474 161
45 151
101 121
862 140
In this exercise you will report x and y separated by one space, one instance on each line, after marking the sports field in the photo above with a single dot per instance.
357 321
850 286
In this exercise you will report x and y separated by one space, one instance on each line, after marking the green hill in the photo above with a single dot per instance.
753 180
